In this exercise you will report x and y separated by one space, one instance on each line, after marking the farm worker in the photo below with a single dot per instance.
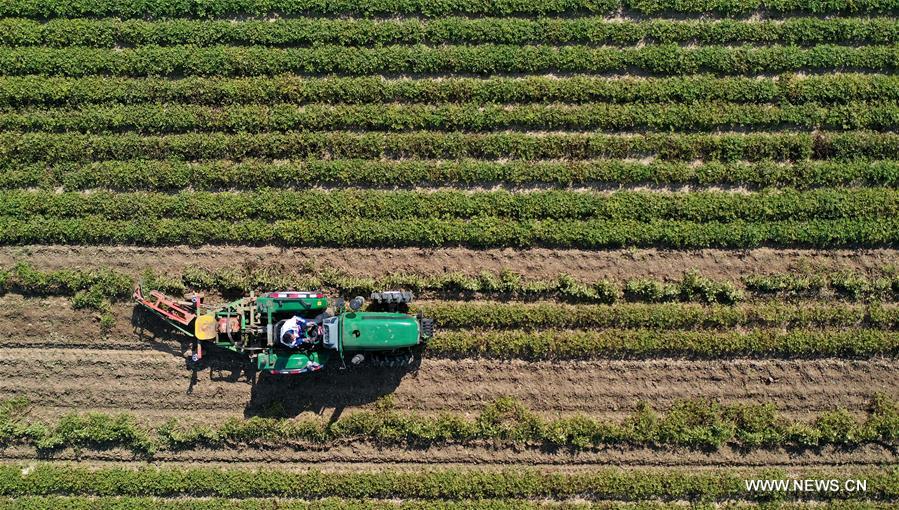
293 332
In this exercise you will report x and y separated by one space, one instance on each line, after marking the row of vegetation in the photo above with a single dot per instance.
517 315
214 91
108 33
249 174
181 118
670 316
264 8
506 422
481 232
606 484
643 343
644 206
186 503
692 287
477 59
19 148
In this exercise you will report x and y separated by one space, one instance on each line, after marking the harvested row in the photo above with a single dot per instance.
19 148
182 118
275 205
109 33
223 8
484 232
249 174
505 422
828 88
610 484
488 59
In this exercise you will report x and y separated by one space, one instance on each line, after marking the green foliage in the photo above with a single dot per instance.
636 343
844 284
579 89
364 32
366 8
92 288
143 175
182 503
657 316
21 148
646 206
471 117
479 232
663 59
693 423
675 485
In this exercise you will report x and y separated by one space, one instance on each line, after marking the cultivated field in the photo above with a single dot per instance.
657 238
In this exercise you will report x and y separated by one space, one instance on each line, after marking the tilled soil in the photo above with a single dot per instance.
69 379
535 263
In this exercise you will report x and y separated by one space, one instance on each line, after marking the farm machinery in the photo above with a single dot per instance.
385 334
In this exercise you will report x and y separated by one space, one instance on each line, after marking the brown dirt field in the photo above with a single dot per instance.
536 263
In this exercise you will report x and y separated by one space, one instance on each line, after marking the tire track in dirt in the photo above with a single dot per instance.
148 380
535 263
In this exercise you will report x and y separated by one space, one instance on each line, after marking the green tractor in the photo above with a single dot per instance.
385 335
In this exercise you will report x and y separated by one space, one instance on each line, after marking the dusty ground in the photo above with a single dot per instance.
536 263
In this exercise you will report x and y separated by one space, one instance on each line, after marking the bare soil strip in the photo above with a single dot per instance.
535 263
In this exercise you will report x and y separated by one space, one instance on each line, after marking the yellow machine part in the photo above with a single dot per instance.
205 327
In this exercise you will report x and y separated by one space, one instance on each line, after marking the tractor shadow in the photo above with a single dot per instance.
327 392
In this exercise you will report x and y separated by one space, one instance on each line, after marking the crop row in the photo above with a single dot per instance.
477 59
692 287
23 148
171 175
791 88
639 343
690 423
644 206
479 232
265 8
493 315
181 503
181 118
605 484
109 33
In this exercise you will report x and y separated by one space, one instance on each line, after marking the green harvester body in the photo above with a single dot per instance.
251 325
